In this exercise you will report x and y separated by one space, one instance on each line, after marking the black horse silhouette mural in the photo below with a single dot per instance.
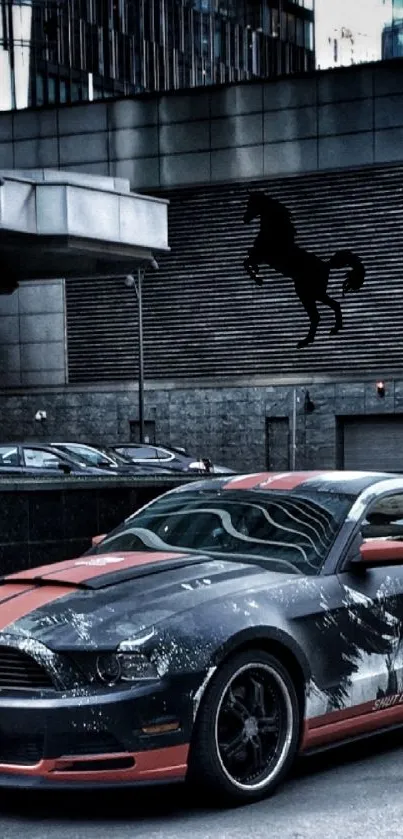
275 246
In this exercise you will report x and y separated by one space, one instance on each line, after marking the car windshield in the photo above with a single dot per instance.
69 456
82 455
118 457
90 456
282 530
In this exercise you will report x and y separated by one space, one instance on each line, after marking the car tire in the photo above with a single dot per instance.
247 730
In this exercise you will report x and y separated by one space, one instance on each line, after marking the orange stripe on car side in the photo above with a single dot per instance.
350 722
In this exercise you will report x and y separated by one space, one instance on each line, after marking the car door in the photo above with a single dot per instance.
41 459
147 455
10 462
372 619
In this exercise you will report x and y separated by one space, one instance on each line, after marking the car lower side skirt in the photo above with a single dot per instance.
340 726
155 765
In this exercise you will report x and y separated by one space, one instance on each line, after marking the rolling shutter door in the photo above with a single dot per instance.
373 443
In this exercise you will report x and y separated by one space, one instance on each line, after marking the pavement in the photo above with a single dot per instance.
349 793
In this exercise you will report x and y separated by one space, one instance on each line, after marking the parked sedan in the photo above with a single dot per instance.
220 631
34 459
107 458
175 460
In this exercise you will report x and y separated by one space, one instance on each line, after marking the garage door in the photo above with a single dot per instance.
373 443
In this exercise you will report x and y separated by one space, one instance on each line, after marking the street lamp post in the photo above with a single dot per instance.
294 429
131 282
139 292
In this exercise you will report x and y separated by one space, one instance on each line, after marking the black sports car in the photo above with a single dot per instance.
218 632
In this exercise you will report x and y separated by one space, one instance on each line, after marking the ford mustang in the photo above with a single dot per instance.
220 631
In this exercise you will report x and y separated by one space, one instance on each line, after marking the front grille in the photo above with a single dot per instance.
21 751
89 743
19 670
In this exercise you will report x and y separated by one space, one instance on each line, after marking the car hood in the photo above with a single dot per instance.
99 600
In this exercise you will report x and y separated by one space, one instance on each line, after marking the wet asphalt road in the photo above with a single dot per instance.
354 793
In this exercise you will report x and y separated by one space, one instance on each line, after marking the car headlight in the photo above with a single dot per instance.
113 668
108 668
136 667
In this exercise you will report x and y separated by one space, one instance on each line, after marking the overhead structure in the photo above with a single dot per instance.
63 224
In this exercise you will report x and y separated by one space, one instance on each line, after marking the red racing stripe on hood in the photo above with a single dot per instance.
9 591
89 567
22 600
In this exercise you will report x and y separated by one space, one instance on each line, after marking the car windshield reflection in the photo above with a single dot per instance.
285 531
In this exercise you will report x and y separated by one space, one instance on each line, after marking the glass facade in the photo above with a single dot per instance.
55 51
392 36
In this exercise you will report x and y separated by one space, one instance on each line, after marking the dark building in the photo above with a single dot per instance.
55 51
223 372
392 35
392 40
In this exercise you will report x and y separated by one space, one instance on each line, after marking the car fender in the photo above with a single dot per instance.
252 636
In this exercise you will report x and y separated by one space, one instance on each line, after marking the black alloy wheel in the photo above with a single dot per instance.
247 729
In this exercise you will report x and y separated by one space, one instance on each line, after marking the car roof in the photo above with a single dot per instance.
79 444
320 481
31 444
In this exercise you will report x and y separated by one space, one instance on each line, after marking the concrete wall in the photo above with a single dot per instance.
45 520
331 119
32 335
229 424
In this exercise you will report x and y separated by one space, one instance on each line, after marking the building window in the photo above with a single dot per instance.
40 90
291 33
63 91
149 432
308 27
138 45
52 90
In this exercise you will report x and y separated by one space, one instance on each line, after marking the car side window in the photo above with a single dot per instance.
162 454
141 452
9 456
40 459
384 518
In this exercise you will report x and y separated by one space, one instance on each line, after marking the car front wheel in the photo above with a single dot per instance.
247 729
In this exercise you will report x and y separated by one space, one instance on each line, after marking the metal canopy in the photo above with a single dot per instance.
65 224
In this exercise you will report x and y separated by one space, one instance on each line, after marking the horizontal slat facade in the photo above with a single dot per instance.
101 330
203 315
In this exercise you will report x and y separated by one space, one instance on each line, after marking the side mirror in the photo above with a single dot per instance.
97 539
65 468
378 552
